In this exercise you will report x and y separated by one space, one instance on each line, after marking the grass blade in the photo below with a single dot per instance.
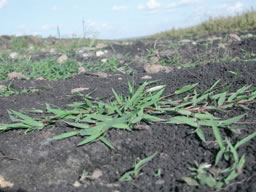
217 134
78 125
66 135
184 120
185 89
244 140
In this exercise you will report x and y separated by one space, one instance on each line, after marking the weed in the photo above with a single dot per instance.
136 170
47 68
7 91
92 119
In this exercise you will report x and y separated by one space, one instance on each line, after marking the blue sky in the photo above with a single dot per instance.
110 19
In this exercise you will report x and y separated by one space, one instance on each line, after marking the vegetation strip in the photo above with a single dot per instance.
93 119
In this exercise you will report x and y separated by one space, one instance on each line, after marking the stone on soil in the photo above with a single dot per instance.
62 59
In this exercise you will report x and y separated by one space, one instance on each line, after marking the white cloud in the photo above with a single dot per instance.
119 8
54 8
188 2
153 4
232 8
181 3
238 7
150 4
2 3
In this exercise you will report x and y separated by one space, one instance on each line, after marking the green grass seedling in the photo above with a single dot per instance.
136 170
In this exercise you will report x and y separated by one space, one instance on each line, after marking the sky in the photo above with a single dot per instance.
110 19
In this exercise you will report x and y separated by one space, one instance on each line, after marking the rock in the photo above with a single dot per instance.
100 53
120 78
62 59
213 38
222 45
52 50
40 78
4 183
16 75
31 47
142 127
249 35
97 173
101 74
85 55
101 45
76 90
154 59
156 68
105 60
121 62
234 37
14 55
146 77
77 184
81 70
167 53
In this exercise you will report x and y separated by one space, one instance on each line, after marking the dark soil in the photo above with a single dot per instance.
35 163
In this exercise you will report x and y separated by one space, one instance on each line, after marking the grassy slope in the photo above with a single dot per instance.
240 22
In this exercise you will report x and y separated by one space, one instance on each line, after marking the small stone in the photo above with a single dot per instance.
213 38
121 62
234 37
101 74
97 173
104 60
222 45
156 68
4 183
142 127
120 78
146 77
101 45
31 47
62 59
81 70
85 55
167 53
14 55
16 75
100 53
76 90
40 78
105 51
52 50
154 59
76 184
249 35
